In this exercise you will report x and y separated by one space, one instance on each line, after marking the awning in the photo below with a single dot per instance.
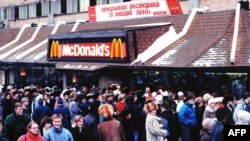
86 66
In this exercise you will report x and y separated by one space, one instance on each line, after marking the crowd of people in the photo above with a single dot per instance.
35 113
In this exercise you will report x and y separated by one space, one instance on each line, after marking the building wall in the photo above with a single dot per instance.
67 18
4 3
218 5
213 5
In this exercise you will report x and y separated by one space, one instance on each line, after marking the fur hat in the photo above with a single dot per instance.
106 110
243 117
180 93
206 97
208 123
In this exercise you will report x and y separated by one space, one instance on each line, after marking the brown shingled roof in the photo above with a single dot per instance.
207 43
7 35
28 32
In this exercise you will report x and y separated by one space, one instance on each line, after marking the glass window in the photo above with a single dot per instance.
10 13
56 7
100 2
32 10
115 1
45 8
72 6
2 14
84 4
23 12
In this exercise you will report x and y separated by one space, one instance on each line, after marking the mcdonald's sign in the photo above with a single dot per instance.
118 49
55 49
95 49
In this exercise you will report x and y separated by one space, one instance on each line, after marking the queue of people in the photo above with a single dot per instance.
51 114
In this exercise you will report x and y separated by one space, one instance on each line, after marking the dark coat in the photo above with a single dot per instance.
40 112
174 125
205 135
90 121
217 131
14 126
82 135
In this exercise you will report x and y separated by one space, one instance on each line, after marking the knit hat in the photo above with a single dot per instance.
208 123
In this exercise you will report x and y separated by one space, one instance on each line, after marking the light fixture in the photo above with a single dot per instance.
74 78
22 72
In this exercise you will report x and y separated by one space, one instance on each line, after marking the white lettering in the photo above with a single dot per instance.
82 50
231 132
243 131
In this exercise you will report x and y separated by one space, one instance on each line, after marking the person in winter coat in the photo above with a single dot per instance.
228 102
218 128
41 111
210 109
91 121
57 132
154 125
32 133
205 133
109 129
242 104
64 111
78 129
187 117
15 124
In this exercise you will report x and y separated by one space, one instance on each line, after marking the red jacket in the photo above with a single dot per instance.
120 106
31 137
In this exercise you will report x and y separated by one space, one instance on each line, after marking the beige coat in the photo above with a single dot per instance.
154 130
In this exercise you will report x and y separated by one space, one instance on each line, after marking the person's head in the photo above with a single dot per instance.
78 121
18 107
25 101
57 121
110 98
190 100
122 97
221 114
228 100
40 101
150 108
106 110
181 95
33 128
212 102
247 97
46 122
208 123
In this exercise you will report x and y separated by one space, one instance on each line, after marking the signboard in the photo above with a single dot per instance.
106 49
133 10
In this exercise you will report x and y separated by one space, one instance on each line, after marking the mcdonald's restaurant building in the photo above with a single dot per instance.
180 51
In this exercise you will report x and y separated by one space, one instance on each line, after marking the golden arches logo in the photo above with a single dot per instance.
117 49
55 50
